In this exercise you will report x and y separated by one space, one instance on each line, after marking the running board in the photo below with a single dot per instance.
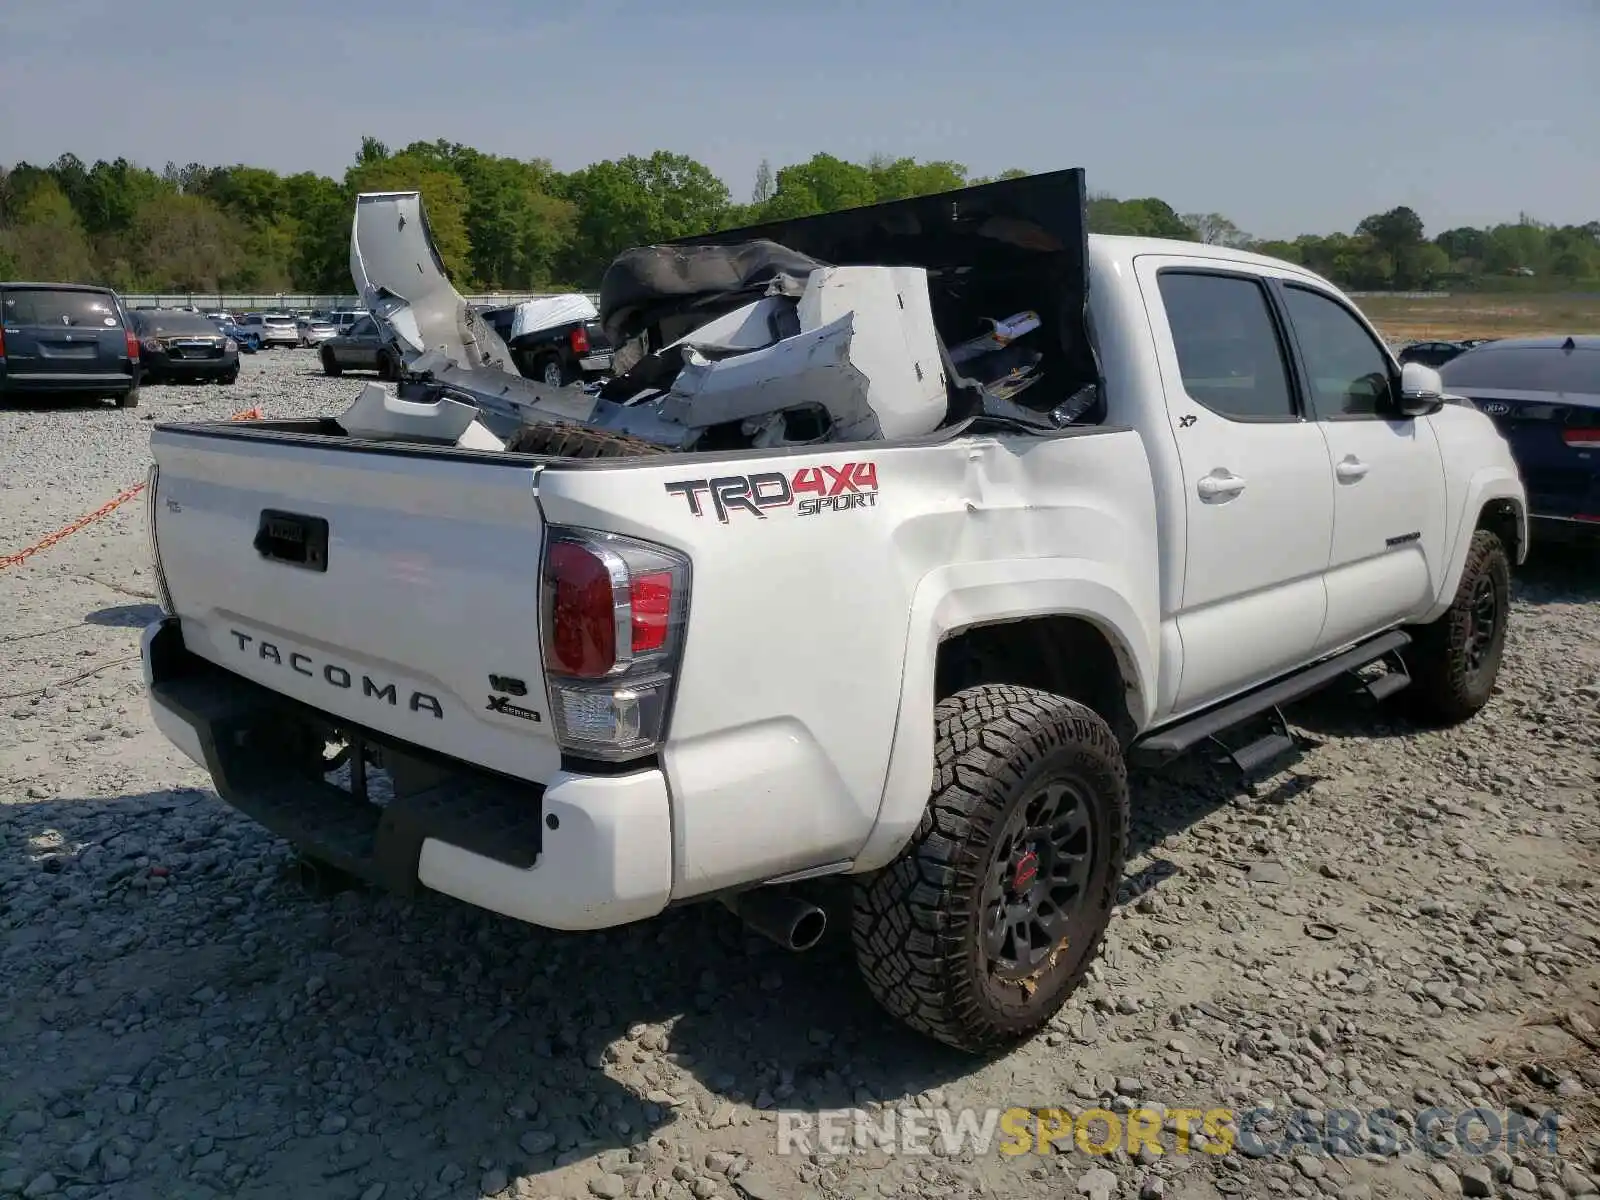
1175 739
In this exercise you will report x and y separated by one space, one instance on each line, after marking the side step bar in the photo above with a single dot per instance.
1396 678
1268 749
1174 739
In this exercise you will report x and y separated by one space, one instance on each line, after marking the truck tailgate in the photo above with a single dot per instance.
380 586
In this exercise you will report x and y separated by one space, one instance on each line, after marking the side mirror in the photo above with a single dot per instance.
1421 391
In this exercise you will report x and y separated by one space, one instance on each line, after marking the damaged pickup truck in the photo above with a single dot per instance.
897 531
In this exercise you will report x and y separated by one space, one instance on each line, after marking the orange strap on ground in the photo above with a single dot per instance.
12 560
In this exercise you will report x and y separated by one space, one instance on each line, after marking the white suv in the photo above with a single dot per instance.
275 329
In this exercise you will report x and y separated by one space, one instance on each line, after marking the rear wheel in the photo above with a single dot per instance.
330 364
550 371
1455 660
977 933
129 398
231 377
388 367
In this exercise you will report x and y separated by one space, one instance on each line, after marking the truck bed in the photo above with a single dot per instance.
805 566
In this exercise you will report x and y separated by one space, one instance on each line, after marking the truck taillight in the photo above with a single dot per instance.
1582 439
579 340
132 344
152 482
612 623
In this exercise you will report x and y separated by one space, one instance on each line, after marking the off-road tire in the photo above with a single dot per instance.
916 924
560 439
1446 688
330 363
128 399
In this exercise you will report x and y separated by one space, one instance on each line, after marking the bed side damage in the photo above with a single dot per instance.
885 322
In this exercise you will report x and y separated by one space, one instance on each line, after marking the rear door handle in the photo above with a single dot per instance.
1351 469
1220 484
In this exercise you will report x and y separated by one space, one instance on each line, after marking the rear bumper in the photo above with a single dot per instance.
582 852
87 381
192 368
291 338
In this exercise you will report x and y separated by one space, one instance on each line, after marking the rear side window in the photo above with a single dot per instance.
363 328
47 306
1349 371
1526 369
1227 345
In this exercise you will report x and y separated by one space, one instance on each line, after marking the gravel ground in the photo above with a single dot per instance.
1402 920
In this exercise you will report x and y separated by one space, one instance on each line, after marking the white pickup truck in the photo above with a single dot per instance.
577 689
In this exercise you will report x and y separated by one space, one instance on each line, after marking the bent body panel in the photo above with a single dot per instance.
814 575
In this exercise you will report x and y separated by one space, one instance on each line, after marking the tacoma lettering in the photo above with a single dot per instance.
334 675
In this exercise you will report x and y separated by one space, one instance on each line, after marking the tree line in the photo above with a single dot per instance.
507 224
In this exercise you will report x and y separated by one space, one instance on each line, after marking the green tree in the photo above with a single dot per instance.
823 183
902 178
185 244
505 223
323 213
1462 245
1147 217
636 201
1214 229
1514 249
518 228
1397 237
764 186
47 240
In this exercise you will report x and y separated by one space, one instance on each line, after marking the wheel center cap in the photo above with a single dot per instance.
1026 872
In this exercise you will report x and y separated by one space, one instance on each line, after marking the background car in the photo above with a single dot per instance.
1544 395
176 344
249 341
362 348
1431 354
67 338
554 339
315 330
274 329
343 318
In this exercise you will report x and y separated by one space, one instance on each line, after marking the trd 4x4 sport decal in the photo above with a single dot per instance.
810 491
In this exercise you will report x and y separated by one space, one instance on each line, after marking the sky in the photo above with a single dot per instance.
1287 116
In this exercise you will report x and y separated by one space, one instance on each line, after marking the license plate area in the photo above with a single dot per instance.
293 538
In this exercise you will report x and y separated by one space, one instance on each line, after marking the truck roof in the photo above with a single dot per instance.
1107 250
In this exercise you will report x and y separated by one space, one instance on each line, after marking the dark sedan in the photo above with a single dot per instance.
1431 354
1544 395
360 348
183 345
